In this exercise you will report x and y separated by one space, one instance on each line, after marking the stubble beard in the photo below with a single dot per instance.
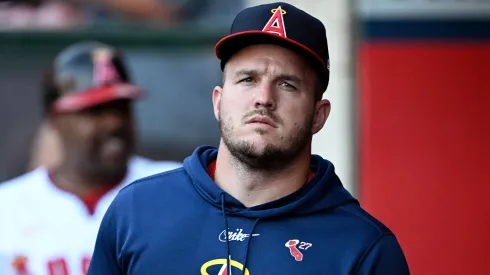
274 157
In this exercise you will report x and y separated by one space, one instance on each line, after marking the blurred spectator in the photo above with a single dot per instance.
69 14
38 14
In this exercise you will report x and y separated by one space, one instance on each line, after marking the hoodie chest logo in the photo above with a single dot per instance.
295 247
237 235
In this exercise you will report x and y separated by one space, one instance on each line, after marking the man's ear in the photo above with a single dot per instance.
217 91
322 111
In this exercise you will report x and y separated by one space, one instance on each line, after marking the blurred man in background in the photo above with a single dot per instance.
50 216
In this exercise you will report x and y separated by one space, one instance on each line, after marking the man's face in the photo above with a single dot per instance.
100 138
267 110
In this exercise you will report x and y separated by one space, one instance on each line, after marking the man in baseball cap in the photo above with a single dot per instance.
87 97
49 216
261 203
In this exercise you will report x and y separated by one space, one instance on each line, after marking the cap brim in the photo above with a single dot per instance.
97 96
232 43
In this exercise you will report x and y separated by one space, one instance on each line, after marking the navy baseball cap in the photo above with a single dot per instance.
281 24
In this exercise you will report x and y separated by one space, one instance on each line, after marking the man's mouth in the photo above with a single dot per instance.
262 120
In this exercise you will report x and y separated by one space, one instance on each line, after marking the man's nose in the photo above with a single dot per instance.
265 97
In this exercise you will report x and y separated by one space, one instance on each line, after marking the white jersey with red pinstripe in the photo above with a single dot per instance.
47 231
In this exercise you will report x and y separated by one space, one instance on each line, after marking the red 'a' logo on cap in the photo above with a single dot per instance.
275 24
104 70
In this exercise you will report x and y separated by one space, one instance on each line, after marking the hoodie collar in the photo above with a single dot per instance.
322 192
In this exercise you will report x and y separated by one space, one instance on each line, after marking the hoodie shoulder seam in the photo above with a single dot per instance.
380 230
369 249
166 173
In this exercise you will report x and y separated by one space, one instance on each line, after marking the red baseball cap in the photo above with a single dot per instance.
84 75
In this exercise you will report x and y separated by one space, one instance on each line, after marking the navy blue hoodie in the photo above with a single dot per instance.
181 222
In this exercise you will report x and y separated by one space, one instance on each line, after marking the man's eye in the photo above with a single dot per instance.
248 79
287 85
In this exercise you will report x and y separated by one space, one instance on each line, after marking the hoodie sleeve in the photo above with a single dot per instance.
104 259
385 257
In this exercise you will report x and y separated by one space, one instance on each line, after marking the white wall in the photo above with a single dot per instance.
336 141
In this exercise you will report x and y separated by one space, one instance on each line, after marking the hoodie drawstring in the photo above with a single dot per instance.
228 266
248 246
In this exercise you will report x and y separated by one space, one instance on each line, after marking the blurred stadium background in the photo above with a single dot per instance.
409 131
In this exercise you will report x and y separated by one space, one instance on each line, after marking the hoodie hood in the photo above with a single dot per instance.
323 192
